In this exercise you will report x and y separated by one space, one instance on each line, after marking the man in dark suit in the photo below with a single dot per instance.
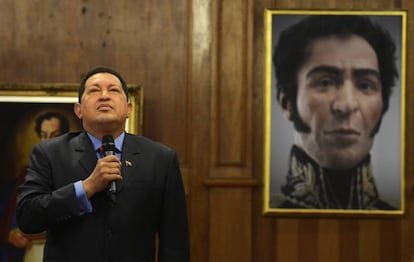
66 187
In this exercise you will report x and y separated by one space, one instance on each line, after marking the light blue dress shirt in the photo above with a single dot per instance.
83 201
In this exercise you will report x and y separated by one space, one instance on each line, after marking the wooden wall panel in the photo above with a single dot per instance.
230 88
230 180
327 240
198 120
369 239
348 240
286 240
230 235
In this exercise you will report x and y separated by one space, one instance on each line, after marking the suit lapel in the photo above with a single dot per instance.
85 152
129 160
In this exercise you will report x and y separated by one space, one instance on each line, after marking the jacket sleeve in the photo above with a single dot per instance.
39 204
174 232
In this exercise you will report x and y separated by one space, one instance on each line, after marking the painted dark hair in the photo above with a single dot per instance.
291 52
64 123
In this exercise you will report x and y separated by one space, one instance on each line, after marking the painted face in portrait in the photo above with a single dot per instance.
50 128
340 99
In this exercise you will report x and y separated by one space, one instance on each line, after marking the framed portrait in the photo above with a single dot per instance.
334 112
24 107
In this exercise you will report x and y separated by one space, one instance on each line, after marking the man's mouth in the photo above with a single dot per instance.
343 135
104 107
343 131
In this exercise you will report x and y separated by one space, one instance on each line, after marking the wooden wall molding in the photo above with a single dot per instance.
231 182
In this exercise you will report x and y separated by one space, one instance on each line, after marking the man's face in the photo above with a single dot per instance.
104 105
50 128
340 99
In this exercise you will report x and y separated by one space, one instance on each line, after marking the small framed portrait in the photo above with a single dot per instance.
334 112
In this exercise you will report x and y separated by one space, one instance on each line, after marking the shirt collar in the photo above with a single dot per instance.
119 141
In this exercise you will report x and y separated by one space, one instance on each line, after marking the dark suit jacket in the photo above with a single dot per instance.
150 200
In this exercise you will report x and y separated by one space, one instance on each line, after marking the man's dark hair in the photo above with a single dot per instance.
101 69
292 51
64 123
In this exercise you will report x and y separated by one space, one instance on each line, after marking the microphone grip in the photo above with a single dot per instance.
112 185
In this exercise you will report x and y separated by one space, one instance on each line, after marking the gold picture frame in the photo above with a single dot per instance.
387 154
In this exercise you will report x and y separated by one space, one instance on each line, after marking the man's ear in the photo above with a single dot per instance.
77 110
286 106
129 109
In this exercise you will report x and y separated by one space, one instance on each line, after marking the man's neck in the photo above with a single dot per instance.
100 133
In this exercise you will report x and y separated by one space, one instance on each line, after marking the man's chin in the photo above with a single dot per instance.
343 161
107 121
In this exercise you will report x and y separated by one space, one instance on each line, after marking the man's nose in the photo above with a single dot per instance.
104 93
345 101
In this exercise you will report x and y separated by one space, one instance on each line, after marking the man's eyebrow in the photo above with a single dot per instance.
336 71
92 85
366 72
324 69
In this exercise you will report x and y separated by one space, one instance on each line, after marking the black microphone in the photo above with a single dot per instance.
108 147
